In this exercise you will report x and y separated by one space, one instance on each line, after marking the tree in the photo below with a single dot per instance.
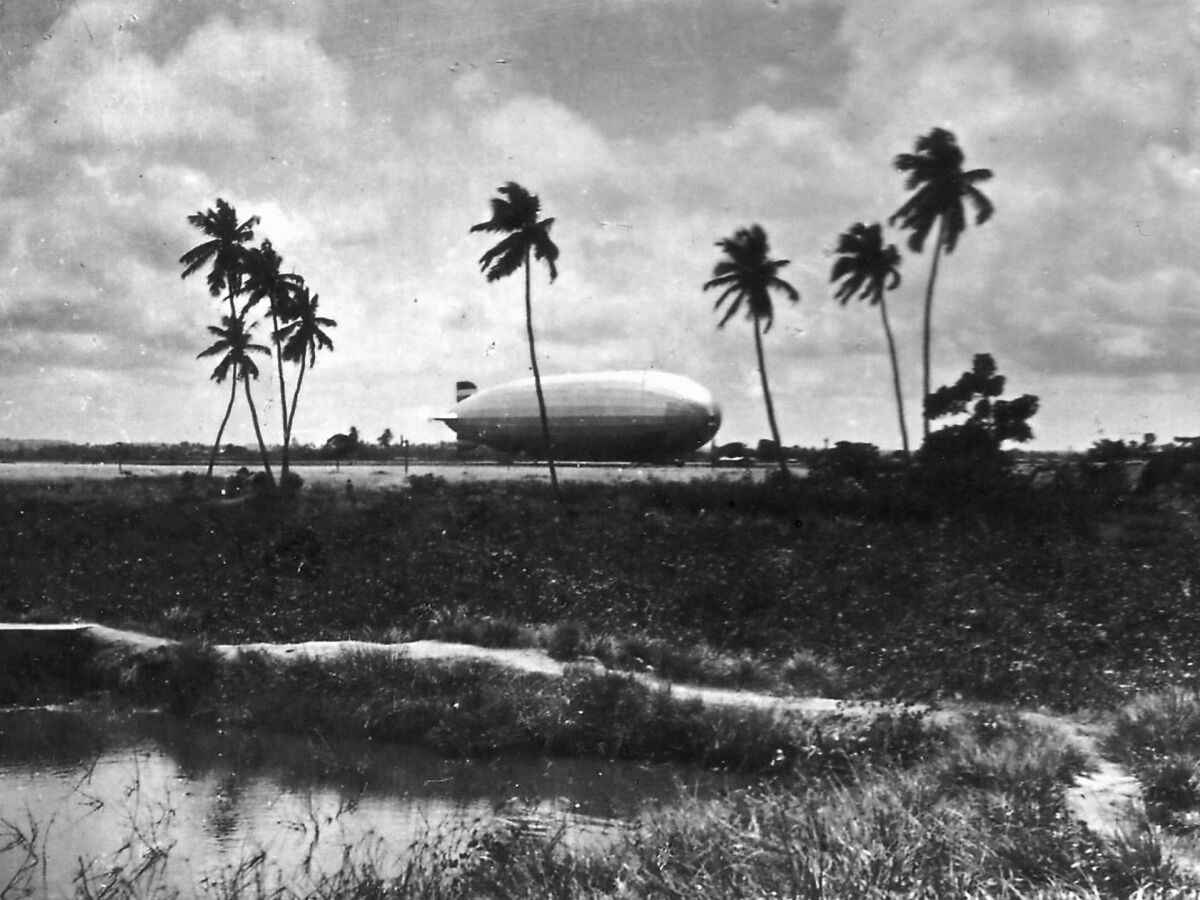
966 459
385 439
225 249
515 214
299 341
936 176
265 281
749 274
341 446
867 270
234 341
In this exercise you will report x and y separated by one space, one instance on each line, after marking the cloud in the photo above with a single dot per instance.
369 138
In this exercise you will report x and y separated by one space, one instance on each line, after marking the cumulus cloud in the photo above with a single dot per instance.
369 139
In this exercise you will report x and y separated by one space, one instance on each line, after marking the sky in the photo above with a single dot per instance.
369 136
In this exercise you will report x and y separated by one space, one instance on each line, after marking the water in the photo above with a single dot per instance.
167 803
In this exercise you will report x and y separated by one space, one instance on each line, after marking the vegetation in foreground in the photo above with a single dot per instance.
1065 597
1062 597
984 816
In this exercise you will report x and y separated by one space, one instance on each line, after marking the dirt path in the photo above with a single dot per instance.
1107 799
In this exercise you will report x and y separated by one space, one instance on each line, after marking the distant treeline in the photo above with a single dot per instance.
841 455
189 452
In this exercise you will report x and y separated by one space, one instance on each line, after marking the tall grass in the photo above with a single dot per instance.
984 818
469 708
1158 737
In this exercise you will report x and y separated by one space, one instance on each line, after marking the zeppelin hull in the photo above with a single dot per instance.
601 416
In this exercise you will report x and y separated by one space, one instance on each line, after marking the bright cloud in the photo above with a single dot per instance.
369 138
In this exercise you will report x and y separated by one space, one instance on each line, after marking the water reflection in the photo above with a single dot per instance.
86 790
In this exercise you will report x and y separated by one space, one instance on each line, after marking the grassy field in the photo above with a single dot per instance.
1058 599
1049 602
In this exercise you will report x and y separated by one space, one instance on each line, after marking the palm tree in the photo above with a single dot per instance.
867 270
234 341
936 176
515 213
749 274
265 281
225 249
299 341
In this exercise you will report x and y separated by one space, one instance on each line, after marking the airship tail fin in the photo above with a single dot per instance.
463 390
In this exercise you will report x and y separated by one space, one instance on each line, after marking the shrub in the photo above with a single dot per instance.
565 641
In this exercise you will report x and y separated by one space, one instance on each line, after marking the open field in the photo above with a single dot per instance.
373 475
1072 604
1050 602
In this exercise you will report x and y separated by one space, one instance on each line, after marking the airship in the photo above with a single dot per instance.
634 416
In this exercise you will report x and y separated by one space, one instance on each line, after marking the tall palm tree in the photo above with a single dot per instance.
299 341
936 176
749 274
235 342
515 213
867 270
225 249
265 281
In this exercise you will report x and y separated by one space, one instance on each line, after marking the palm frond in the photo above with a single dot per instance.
750 274
733 307
221 372
504 258
842 266
983 206
226 237
197 257
515 213
865 267
543 247
247 369
936 177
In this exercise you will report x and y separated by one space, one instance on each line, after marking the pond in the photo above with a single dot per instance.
101 795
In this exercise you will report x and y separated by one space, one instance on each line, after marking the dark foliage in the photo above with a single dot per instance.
1024 601
966 461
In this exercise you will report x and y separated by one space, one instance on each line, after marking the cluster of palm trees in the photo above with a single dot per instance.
249 275
747 275
865 267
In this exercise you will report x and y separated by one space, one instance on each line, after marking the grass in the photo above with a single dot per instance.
704 581
470 708
1158 737
1046 599
803 673
984 817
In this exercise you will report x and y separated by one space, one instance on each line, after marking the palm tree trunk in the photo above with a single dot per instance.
891 341
283 405
212 459
927 337
291 417
258 433
762 374
537 383
235 288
